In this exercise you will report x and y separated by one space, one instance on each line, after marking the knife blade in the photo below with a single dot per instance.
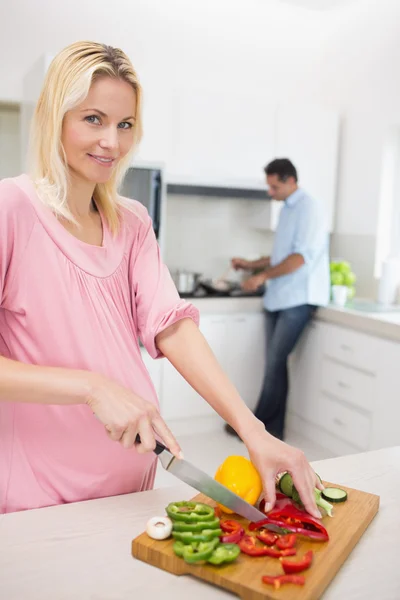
188 473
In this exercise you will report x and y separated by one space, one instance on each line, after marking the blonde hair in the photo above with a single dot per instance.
66 85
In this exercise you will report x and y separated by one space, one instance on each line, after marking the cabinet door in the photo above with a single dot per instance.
178 399
309 136
219 141
245 355
305 375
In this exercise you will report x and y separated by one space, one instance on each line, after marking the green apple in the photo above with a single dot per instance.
337 278
333 267
343 267
349 278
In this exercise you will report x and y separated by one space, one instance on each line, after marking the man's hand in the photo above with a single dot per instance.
240 263
253 283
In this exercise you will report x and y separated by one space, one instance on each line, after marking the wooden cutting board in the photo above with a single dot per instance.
243 577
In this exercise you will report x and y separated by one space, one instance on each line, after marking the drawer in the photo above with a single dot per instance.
346 423
350 385
351 348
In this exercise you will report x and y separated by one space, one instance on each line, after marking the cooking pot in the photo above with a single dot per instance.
186 281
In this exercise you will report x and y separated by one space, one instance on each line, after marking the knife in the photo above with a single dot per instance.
205 484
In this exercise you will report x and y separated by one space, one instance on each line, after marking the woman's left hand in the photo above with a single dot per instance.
270 456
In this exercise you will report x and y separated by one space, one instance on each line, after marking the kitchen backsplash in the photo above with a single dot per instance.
203 233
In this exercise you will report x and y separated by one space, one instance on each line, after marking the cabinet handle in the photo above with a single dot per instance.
346 348
239 320
338 422
343 385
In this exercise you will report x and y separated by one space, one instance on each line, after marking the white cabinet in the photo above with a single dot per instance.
223 138
305 374
309 136
238 343
344 389
245 355
178 399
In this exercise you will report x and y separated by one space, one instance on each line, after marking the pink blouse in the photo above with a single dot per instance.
69 304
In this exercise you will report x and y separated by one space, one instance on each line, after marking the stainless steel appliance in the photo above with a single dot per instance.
145 184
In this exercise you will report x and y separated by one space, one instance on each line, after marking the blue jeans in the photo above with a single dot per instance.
283 330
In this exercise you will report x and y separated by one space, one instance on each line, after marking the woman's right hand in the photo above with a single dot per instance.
240 263
124 415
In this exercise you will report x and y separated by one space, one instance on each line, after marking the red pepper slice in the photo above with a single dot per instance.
298 566
278 580
267 537
248 546
286 515
234 530
286 541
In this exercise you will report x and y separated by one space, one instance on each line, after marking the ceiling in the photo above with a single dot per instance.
320 4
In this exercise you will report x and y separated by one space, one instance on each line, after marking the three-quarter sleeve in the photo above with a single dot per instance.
157 302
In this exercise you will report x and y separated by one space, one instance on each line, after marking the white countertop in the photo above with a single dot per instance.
82 551
382 324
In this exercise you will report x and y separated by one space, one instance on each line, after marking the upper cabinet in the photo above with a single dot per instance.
217 137
222 138
309 136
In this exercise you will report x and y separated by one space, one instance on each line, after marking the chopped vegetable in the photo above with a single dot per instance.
267 537
224 553
321 502
332 494
298 566
278 580
190 511
286 541
195 526
193 553
248 546
234 532
178 548
239 475
287 487
159 528
285 484
288 516
188 537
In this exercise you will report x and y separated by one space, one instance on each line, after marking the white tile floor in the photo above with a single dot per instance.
208 450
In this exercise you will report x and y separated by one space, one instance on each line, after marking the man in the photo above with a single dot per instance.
298 281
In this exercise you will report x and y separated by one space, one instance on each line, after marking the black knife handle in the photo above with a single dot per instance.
159 446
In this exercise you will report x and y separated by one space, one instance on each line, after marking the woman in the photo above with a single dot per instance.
81 280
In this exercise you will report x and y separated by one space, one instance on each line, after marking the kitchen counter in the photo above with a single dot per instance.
82 551
227 305
381 324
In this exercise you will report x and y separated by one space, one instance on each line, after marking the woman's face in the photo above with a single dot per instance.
99 131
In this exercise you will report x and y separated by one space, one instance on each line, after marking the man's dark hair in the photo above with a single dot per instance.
283 168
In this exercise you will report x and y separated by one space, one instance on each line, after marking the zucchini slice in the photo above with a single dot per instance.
332 494
286 484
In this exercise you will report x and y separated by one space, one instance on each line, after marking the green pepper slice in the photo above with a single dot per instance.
178 548
224 553
188 537
190 511
199 552
195 526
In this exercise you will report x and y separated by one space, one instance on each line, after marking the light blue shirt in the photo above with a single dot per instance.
301 230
